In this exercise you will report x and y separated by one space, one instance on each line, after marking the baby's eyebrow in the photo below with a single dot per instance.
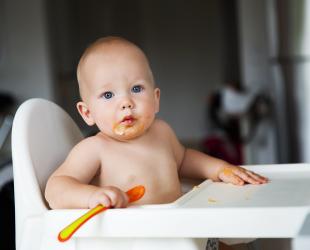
142 81
139 81
102 90
105 85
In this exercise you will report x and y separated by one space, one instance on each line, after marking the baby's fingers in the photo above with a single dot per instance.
123 200
103 200
259 178
119 199
228 176
244 175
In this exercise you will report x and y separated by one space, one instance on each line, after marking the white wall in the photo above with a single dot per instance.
24 58
183 40
184 43
300 54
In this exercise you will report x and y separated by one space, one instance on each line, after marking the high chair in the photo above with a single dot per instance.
42 136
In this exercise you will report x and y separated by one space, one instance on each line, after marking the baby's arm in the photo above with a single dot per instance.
198 164
68 186
195 164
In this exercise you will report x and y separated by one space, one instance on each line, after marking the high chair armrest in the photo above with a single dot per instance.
184 222
276 209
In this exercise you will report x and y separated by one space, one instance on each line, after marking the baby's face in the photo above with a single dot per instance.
119 92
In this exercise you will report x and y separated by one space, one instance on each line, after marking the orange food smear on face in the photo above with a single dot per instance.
128 131
119 129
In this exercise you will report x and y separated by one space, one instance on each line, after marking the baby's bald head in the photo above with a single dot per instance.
107 49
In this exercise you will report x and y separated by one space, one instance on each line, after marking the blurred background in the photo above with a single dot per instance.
233 74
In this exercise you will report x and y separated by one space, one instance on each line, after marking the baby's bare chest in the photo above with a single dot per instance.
128 165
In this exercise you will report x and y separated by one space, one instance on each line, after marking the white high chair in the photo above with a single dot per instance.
42 136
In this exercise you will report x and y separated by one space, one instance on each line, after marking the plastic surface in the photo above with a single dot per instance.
303 240
277 209
42 136
289 186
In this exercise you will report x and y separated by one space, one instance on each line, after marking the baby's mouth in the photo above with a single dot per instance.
128 127
128 120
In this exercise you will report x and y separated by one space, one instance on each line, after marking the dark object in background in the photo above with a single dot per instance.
7 101
227 147
228 144
7 209
222 148
229 124
7 214
259 109
7 104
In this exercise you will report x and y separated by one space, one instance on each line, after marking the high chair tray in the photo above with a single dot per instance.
277 209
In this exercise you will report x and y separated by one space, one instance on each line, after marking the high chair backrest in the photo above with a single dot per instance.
42 136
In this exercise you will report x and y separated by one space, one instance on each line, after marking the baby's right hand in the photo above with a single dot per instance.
108 197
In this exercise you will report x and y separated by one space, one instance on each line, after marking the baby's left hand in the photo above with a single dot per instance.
239 176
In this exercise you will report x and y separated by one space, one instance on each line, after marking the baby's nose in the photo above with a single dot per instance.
128 105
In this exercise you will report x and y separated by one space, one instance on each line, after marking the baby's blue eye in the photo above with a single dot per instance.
136 89
108 95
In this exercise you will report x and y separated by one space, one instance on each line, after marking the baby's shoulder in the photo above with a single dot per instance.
92 143
162 127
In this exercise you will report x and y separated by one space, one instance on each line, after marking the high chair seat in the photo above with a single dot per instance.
42 136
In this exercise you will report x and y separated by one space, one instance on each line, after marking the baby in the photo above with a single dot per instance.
119 95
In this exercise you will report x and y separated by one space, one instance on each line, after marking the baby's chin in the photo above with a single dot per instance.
124 132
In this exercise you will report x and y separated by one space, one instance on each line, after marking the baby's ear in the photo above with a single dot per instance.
157 99
85 113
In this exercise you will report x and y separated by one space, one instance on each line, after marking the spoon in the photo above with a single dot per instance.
65 234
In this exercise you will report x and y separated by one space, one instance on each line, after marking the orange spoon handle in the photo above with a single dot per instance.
134 194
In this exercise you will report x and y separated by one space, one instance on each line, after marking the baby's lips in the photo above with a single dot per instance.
128 118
